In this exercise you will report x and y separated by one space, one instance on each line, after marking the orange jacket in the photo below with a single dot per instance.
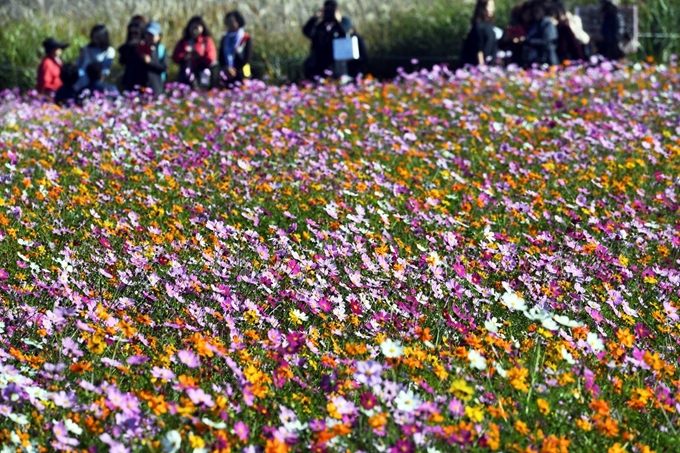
48 75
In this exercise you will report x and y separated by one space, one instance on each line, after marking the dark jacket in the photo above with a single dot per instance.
612 34
140 74
481 38
568 46
66 96
156 69
128 56
540 45
243 57
322 34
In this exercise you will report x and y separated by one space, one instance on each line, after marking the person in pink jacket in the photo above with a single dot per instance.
196 54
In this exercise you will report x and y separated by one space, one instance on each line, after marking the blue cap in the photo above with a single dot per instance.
153 28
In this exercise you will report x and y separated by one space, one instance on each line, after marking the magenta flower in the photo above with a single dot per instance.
241 430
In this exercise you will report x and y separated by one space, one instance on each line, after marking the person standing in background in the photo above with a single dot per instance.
196 54
321 29
612 30
568 46
236 49
128 55
49 70
98 50
481 45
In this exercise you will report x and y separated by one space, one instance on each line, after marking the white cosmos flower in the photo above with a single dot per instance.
500 370
513 301
492 325
537 314
477 360
171 442
391 349
565 321
219 425
549 324
566 355
407 401
73 427
595 343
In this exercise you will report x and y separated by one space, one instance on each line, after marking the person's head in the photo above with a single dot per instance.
560 11
484 10
137 20
153 33
69 74
234 21
94 71
196 27
53 48
526 14
330 10
610 6
99 37
538 11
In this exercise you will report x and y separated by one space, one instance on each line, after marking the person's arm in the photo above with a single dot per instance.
548 34
220 55
179 55
123 55
248 51
159 66
41 77
210 55
309 30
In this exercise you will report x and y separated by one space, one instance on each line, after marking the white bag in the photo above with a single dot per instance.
345 49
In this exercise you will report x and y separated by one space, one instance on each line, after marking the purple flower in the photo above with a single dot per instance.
198 396
368 372
456 407
162 373
189 358
137 360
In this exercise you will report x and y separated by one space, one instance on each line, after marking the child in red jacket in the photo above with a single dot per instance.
50 67
196 54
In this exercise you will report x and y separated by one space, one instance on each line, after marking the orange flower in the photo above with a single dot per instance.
81 367
274 446
517 377
543 406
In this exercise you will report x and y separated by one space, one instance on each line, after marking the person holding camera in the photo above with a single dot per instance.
321 29
196 54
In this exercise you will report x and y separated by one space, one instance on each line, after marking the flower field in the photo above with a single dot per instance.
448 262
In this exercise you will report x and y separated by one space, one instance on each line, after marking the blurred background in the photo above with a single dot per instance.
396 31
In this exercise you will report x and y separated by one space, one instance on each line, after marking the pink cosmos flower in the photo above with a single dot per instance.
241 430
189 358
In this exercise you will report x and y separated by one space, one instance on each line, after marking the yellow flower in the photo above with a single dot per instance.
461 390
476 414
196 441
543 406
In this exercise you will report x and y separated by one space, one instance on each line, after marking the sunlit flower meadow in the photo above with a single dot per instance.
448 262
